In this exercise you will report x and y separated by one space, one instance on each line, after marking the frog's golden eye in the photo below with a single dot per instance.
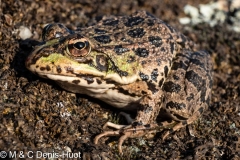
78 47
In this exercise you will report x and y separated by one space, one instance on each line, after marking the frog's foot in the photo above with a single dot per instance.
126 131
177 125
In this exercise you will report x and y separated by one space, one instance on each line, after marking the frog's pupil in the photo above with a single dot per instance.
79 45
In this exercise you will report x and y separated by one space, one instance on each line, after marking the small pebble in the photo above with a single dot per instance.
213 13
185 20
24 32
207 11
191 10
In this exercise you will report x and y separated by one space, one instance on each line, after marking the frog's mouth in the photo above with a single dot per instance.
61 68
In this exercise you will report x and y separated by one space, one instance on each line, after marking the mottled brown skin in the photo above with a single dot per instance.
135 62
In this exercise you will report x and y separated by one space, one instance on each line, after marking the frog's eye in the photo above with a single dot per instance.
78 47
55 30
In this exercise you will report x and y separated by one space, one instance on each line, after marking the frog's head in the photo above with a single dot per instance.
69 56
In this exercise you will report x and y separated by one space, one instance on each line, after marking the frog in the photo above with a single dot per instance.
135 63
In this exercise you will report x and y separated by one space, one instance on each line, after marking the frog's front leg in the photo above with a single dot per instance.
143 124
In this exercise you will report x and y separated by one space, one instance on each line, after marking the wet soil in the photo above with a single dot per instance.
37 115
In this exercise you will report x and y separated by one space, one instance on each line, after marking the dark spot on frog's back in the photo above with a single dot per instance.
171 87
100 31
133 21
163 49
110 22
154 74
136 33
161 82
152 87
177 65
198 63
191 97
175 105
119 49
143 76
76 81
175 77
141 52
155 40
165 71
195 79
150 22
198 82
103 39
172 47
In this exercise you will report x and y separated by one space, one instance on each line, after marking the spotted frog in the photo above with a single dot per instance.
135 62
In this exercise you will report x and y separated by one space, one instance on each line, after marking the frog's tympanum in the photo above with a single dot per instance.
135 62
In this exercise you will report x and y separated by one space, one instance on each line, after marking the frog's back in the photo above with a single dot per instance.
140 37
138 28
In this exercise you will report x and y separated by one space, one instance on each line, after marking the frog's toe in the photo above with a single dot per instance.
177 126
113 125
115 133
125 132
126 135
106 133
